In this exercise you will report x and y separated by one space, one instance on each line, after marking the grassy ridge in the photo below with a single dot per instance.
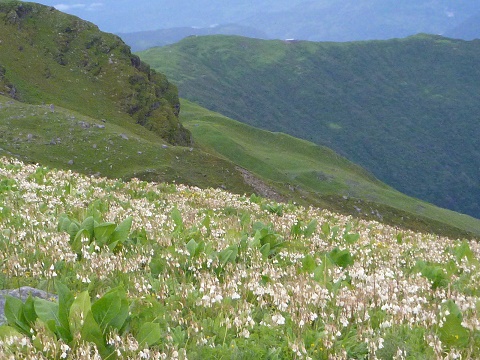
404 109
315 173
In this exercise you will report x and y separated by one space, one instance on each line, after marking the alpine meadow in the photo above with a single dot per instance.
137 224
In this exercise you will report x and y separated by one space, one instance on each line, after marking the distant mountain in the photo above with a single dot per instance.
349 20
143 40
467 30
332 20
406 109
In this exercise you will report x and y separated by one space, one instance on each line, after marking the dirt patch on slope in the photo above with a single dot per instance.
260 187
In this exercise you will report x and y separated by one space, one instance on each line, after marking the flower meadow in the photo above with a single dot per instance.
165 271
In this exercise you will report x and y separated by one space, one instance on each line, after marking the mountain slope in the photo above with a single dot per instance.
312 174
405 109
143 40
74 121
50 57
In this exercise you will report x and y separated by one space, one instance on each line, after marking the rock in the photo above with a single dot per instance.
22 294
70 162
100 126
123 136
84 124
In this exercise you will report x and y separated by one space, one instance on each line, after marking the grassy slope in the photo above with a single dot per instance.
27 131
405 109
318 175
205 274
51 57
307 175
86 131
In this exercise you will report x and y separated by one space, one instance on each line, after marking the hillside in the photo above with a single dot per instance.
312 174
142 40
235 157
139 270
404 109
74 121
49 57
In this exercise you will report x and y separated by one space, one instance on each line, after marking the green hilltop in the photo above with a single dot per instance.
404 109
61 112
50 57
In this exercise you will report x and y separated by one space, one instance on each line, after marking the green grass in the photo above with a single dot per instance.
404 109
29 131
51 57
316 173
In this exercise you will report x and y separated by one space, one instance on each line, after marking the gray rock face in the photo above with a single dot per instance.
22 294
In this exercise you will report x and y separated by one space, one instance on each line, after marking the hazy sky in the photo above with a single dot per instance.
317 20
129 15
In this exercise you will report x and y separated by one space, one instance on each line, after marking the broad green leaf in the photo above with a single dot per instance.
29 310
102 232
65 300
119 321
14 314
265 250
106 309
178 335
47 312
228 255
9 331
89 225
120 235
452 333
311 228
73 229
351 238
76 244
149 334
326 229
192 247
63 223
81 306
157 266
177 220
91 332
464 250
309 264
341 258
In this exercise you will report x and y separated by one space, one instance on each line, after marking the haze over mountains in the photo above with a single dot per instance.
326 20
